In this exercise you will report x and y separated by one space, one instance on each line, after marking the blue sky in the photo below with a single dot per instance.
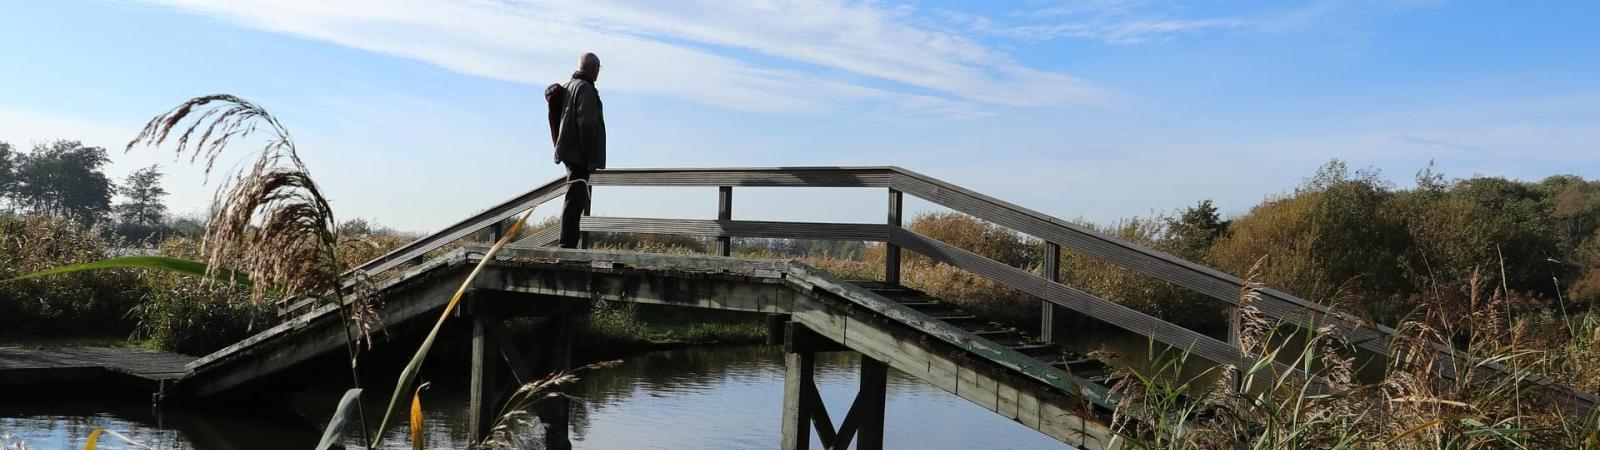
416 113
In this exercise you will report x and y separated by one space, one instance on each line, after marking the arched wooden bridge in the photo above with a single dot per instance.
1030 380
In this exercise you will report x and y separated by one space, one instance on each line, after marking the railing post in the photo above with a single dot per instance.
496 231
1052 272
583 236
725 212
1234 327
891 252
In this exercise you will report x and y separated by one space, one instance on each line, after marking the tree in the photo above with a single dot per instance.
355 227
64 178
144 193
8 171
1196 229
1333 239
142 215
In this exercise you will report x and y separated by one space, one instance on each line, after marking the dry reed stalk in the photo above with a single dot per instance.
517 411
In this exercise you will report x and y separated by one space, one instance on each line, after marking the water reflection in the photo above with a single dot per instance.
708 397
732 397
56 423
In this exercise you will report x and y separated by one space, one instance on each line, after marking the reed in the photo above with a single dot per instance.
1406 407
518 414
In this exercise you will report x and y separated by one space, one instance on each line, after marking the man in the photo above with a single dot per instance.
580 144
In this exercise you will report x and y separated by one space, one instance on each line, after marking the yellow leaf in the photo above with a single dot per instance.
94 438
417 442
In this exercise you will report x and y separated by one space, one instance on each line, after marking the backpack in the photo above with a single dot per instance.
555 98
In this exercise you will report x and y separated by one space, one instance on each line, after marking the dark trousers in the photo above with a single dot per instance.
576 204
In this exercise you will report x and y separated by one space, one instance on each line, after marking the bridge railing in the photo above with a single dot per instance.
1056 233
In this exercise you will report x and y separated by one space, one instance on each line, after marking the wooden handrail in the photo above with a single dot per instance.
478 222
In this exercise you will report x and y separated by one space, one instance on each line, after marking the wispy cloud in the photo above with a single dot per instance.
1426 142
1108 21
1120 32
1125 22
762 56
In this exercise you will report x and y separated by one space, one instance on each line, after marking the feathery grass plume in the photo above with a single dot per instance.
517 412
269 220
1316 405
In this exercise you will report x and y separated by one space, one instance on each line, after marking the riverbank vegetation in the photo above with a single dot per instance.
1500 270
1494 404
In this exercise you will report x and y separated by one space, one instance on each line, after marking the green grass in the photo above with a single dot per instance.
620 327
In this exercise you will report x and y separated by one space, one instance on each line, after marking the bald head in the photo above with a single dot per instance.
589 64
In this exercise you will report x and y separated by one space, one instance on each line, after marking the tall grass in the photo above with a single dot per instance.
94 302
1407 407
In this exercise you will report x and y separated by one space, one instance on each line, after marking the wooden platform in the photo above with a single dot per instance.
125 367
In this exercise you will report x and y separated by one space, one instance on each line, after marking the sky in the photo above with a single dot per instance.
415 114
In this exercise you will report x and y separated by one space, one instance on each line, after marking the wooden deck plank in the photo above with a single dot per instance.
21 367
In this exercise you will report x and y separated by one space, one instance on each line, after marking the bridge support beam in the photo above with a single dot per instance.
494 351
797 376
803 410
556 355
483 397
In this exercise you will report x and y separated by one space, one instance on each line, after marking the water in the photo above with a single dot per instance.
706 397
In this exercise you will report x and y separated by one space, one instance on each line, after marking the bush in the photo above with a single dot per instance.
1333 240
193 316
1146 294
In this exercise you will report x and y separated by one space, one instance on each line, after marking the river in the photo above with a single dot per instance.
698 397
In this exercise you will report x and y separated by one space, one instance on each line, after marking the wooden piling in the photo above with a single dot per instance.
799 364
555 412
481 401
871 400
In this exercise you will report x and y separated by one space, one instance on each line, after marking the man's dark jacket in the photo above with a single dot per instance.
582 139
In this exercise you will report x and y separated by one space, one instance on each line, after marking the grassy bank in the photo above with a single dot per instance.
153 309
615 328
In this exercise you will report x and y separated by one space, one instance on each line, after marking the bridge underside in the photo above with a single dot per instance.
840 315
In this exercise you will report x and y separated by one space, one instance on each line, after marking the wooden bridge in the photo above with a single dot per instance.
1028 379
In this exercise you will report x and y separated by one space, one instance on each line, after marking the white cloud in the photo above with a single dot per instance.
760 55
